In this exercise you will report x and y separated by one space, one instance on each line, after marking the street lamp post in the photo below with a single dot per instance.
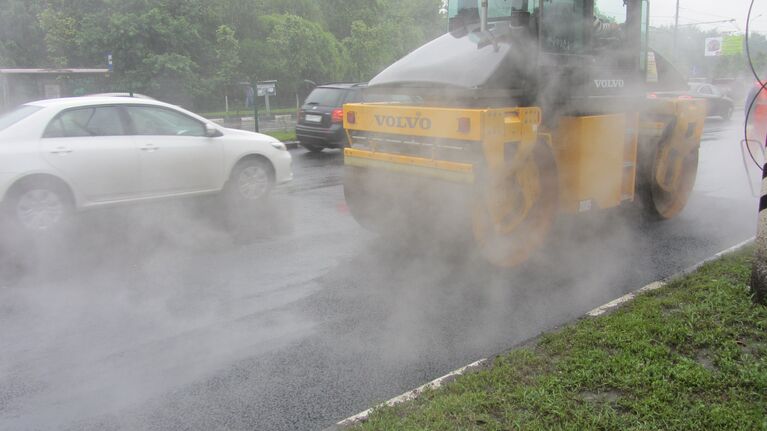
255 105
676 29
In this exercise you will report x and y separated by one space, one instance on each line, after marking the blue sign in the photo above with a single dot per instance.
109 61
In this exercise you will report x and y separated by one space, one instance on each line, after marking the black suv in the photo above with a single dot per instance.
321 119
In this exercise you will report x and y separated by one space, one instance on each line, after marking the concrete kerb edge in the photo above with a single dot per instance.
482 363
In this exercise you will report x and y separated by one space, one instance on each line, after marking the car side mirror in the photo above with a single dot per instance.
211 131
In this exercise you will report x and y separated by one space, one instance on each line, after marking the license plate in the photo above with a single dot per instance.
313 118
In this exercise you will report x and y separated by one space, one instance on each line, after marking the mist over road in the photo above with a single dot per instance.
159 318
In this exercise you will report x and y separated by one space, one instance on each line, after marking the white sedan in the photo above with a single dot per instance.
62 155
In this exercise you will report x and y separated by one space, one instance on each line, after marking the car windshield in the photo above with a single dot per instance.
10 118
325 97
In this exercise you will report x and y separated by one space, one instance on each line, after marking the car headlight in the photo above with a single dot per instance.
279 145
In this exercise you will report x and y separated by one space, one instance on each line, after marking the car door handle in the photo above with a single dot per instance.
61 150
150 148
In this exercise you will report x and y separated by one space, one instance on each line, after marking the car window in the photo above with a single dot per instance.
563 26
92 121
155 120
325 97
10 118
391 98
353 96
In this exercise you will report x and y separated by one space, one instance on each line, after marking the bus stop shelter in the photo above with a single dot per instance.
19 86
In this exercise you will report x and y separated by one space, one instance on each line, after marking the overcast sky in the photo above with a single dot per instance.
696 11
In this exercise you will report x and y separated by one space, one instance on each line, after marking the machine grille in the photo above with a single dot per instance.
451 150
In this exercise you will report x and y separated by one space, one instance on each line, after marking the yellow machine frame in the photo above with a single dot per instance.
596 156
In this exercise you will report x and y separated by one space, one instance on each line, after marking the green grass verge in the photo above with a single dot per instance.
283 136
691 356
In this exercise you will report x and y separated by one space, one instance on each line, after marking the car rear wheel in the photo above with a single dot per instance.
40 206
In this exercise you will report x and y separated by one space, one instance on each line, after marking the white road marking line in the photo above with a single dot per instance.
411 395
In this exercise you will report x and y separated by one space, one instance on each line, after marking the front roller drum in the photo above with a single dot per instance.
513 213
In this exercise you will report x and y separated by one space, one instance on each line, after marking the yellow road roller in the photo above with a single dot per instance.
524 110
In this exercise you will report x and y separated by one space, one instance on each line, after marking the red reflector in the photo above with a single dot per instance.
337 116
464 125
686 97
351 117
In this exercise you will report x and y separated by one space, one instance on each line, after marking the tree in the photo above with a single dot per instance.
189 48
300 49
227 59
20 34
60 34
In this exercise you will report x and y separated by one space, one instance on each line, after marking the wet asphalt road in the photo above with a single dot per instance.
164 318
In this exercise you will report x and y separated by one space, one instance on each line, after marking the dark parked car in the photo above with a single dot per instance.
718 104
321 119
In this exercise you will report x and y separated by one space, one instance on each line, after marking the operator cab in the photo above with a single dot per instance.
589 56
568 56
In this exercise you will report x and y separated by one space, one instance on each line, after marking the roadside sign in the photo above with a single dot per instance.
733 45
266 88
110 66
726 45
714 46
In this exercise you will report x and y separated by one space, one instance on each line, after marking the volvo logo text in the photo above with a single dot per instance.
609 83
416 122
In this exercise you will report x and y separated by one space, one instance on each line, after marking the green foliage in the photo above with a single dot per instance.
302 50
21 38
193 51
227 58
60 35
690 58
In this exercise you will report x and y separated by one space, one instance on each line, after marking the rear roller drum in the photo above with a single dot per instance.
667 181
365 206
513 214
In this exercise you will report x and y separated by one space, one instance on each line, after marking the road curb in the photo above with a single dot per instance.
602 309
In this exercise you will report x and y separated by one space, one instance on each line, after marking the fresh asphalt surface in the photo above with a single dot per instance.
164 318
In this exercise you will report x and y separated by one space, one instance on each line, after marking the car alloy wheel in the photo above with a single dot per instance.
40 209
253 182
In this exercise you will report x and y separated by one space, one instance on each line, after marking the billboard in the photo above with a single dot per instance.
714 46
724 45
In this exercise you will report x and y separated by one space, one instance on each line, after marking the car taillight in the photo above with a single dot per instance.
686 97
652 96
337 116
351 117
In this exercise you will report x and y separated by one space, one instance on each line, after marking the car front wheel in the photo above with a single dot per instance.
251 182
